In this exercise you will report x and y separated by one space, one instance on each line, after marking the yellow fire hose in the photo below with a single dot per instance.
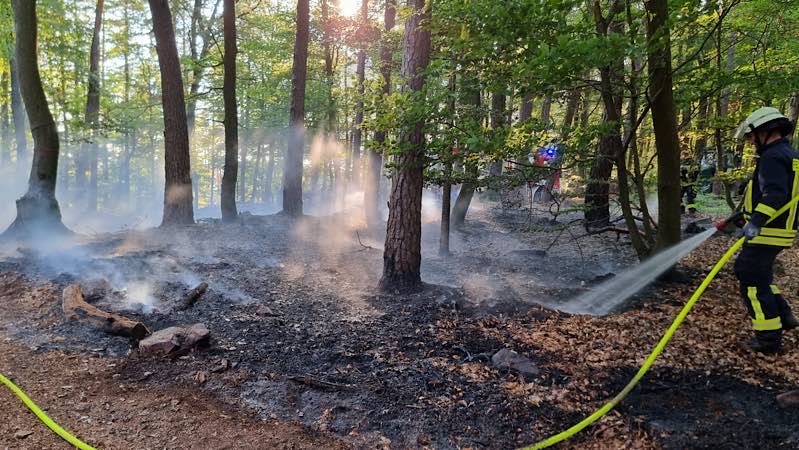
658 348
77 443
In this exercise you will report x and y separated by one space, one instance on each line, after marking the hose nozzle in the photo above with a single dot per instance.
729 224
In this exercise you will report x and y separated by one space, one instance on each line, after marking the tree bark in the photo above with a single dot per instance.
402 256
372 187
270 171
292 170
597 193
466 193
37 210
200 29
793 112
498 101
526 109
177 162
546 109
18 114
89 148
357 132
228 201
664 119
5 128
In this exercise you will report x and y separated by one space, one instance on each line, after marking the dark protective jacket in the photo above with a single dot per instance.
774 183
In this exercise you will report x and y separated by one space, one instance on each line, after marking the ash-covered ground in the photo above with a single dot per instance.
299 333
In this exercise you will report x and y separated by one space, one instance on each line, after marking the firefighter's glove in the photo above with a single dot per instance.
751 231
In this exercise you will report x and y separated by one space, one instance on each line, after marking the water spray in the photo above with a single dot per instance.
733 220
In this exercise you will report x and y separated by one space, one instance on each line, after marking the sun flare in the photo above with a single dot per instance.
350 8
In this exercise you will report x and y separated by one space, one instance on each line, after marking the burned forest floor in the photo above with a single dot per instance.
305 353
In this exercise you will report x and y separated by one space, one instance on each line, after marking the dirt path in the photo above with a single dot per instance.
86 395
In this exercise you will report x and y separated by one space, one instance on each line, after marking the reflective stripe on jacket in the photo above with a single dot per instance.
777 176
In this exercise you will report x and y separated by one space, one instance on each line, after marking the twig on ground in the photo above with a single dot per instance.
193 295
365 247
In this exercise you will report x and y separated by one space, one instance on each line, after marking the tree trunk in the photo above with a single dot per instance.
89 148
793 112
402 256
5 128
372 188
357 133
37 210
18 114
270 171
465 194
597 193
292 170
664 119
446 197
498 101
526 109
228 201
546 109
200 29
177 162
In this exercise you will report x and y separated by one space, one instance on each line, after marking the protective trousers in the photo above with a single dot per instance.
754 268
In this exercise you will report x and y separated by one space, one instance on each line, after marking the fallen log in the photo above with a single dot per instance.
193 295
76 308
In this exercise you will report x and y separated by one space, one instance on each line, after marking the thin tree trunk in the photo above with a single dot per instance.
89 148
270 171
526 109
372 187
292 171
37 210
793 111
498 101
18 115
546 109
466 192
357 132
201 29
446 197
664 119
5 128
177 162
228 201
597 195
402 256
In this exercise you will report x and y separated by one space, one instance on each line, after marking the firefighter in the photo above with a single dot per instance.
774 182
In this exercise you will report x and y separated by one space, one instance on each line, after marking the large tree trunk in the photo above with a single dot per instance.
357 133
37 210
177 162
89 148
402 256
18 114
372 188
228 201
292 171
664 119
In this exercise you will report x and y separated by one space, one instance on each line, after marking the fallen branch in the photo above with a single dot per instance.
193 296
366 247
308 380
76 308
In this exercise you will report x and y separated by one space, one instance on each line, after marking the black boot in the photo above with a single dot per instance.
766 342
